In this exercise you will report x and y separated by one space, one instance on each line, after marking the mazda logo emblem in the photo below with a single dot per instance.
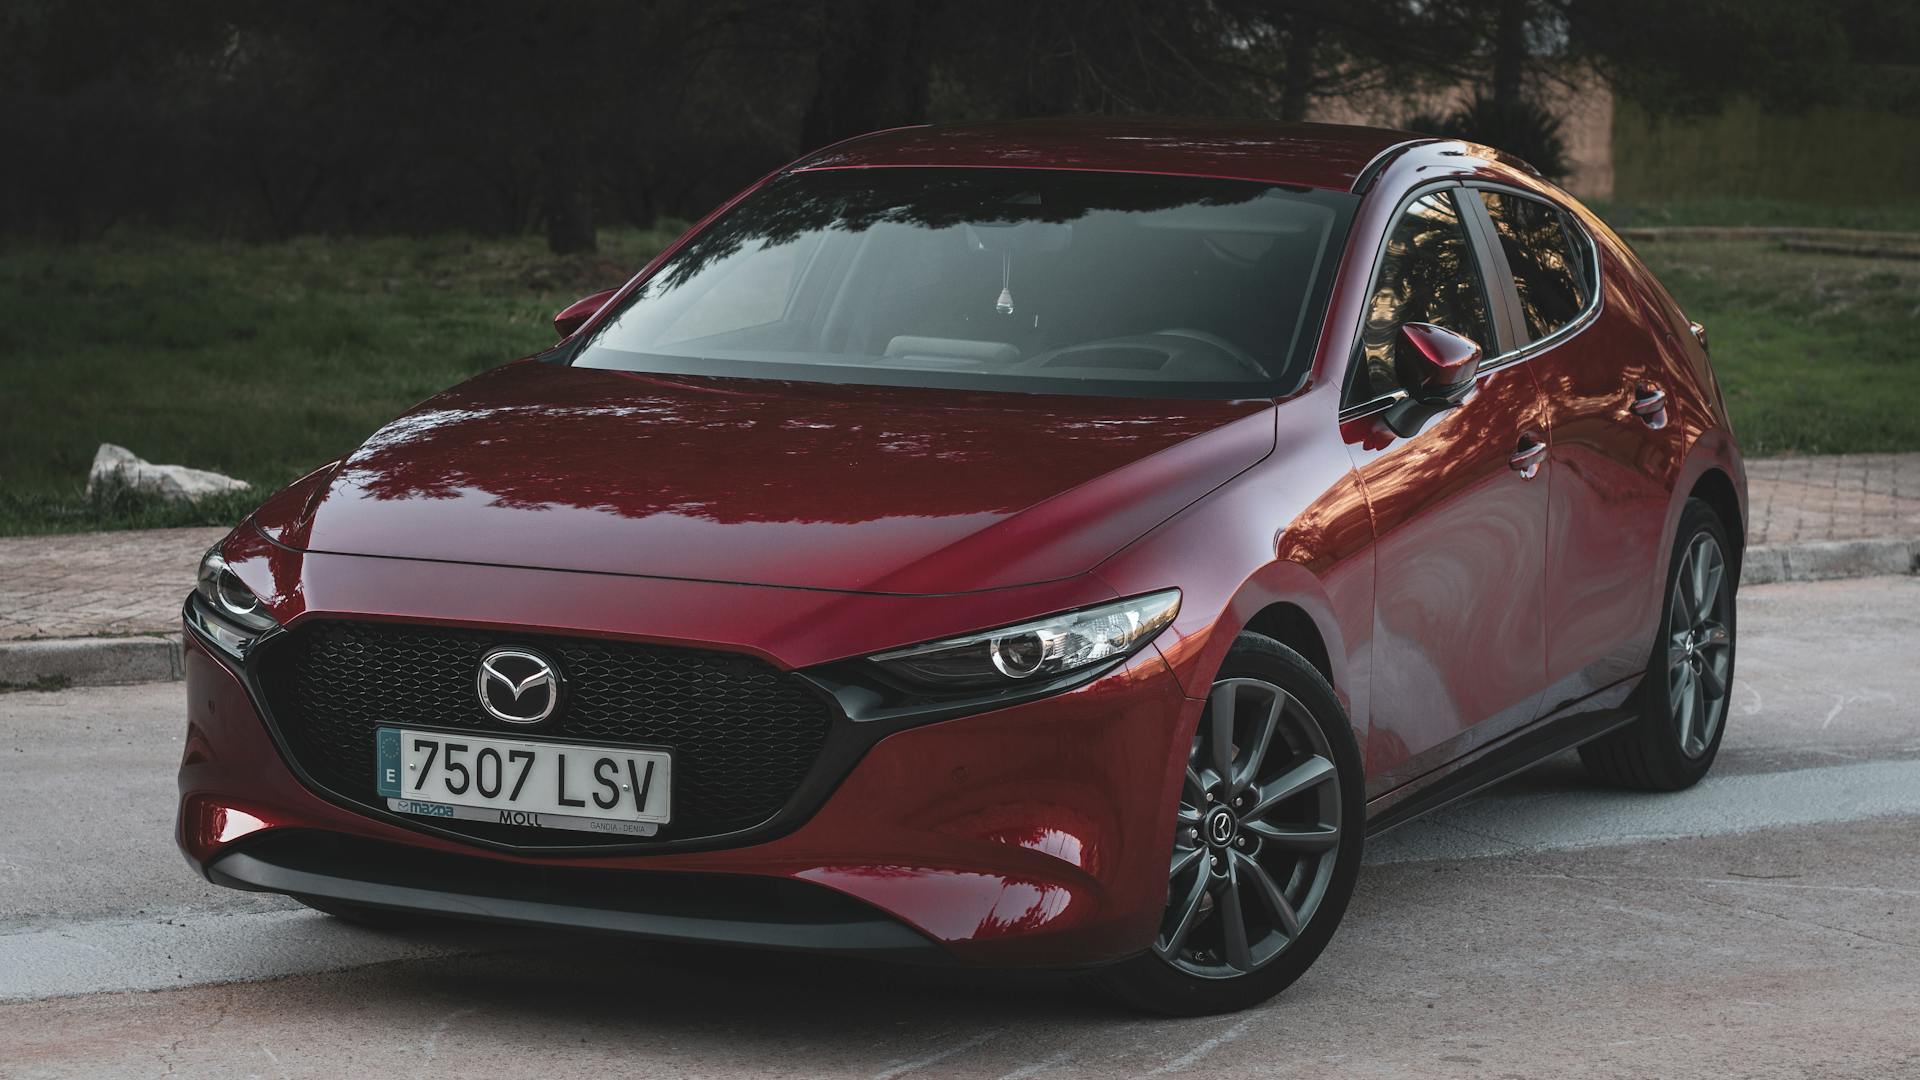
1220 827
517 685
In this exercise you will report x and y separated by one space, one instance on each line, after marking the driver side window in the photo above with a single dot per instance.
1428 274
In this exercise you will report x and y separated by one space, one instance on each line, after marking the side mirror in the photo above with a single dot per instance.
1436 365
1437 368
575 315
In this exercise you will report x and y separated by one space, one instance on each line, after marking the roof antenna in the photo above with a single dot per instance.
1004 305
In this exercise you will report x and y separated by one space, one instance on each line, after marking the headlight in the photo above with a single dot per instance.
224 609
1035 651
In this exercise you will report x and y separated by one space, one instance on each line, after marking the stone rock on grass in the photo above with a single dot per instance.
117 466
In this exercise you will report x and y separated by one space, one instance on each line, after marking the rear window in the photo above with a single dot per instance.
1550 257
1032 280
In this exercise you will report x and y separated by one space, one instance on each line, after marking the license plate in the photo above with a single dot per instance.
517 782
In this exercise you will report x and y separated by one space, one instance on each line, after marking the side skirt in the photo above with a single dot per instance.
1491 764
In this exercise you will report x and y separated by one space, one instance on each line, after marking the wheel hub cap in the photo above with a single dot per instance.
1221 827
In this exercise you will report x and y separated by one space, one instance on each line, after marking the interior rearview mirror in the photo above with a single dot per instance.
575 315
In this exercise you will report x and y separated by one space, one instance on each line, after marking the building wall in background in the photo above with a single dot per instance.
1830 155
1583 102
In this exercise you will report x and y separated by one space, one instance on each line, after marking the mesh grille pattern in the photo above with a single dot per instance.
743 734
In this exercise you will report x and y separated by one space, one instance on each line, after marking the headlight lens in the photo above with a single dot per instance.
1036 651
224 609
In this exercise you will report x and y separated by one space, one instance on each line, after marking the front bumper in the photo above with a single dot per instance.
774 913
1034 835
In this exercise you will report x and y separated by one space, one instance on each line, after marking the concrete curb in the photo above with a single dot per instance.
91 661
1764 565
116 661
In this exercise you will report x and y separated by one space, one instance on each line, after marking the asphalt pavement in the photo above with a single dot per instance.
1763 924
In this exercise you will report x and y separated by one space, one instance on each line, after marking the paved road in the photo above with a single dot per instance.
1764 924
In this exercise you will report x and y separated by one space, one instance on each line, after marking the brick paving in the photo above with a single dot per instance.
96 584
1833 497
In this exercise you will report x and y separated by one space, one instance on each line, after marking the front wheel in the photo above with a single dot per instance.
1267 839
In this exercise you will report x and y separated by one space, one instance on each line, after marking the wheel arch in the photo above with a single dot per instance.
1284 601
1715 488
1289 624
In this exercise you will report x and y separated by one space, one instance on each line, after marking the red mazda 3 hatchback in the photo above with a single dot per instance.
1032 544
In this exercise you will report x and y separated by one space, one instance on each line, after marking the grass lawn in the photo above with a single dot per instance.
262 361
1817 354
257 360
1773 213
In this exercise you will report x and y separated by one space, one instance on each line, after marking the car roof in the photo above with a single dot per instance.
1330 156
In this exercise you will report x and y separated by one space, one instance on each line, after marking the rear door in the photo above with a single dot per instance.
1599 371
1459 507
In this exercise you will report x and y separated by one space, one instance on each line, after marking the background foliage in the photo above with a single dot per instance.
237 118
240 236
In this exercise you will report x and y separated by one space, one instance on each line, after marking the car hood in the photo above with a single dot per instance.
808 485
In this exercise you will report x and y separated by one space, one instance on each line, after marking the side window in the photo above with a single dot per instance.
1549 256
1428 274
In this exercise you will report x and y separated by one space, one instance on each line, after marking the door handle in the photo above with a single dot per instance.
1649 402
1526 460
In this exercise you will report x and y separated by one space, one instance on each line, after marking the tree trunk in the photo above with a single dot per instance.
568 202
873 68
1296 88
1510 54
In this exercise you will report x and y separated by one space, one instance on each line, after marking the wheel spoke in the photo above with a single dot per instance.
1710 722
1233 921
1220 731
1301 838
1314 770
1183 859
1196 785
1683 706
1708 571
1270 894
1712 686
1699 712
1189 914
1262 739
1683 610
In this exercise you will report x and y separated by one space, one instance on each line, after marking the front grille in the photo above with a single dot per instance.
743 733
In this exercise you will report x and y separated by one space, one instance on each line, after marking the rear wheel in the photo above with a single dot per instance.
1267 839
1684 697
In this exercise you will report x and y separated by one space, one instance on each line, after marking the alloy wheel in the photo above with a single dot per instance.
1699 645
1257 833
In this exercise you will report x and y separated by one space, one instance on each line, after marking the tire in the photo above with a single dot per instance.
1278 844
1652 753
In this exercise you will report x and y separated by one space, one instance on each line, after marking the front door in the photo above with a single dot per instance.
1460 516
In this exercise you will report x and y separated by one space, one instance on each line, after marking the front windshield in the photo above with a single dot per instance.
992 279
